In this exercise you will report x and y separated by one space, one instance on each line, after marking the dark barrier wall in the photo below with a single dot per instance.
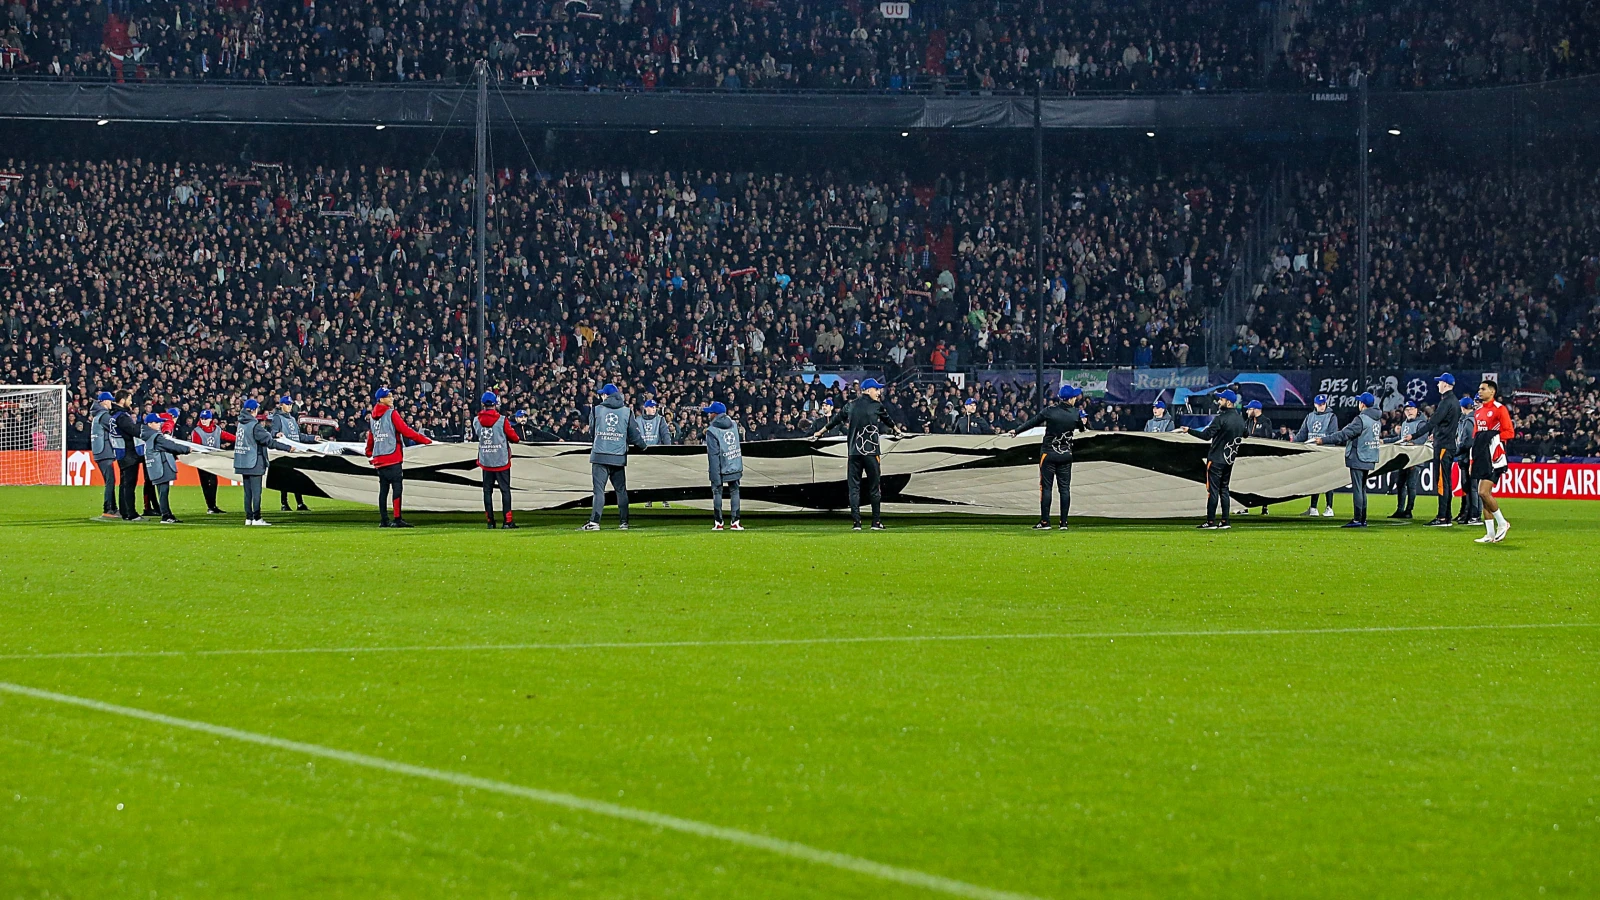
1505 113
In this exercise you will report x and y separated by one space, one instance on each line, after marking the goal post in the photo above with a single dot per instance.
33 434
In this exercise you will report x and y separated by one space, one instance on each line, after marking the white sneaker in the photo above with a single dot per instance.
1328 513
716 526
590 526
1486 539
735 526
263 522
1312 512
1501 534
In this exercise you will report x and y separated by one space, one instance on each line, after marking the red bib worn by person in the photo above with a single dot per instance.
387 434
208 432
495 437
1494 420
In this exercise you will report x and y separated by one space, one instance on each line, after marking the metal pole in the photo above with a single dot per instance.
1363 261
481 214
1038 235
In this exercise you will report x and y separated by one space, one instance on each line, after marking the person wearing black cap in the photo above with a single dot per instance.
209 433
1413 431
1061 421
107 446
161 464
614 430
495 437
387 434
1226 433
251 457
867 419
1160 421
1318 423
286 427
969 422
725 461
1360 440
127 428
1444 425
1257 425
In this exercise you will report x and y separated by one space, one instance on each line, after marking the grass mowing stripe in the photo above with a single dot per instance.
787 642
844 861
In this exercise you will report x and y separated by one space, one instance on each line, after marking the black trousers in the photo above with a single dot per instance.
859 468
108 474
283 499
161 500
618 477
127 480
208 486
150 503
1407 484
1358 492
1442 481
391 480
1058 474
1471 503
501 480
1218 477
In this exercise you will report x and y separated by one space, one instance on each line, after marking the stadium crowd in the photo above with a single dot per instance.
201 284
1124 45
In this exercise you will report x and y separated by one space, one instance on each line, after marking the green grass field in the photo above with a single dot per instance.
1122 710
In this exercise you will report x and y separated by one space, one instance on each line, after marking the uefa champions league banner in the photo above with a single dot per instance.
1177 386
1115 474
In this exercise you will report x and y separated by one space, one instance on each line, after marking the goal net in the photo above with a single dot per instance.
33 434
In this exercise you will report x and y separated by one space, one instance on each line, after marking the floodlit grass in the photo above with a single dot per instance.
1156 712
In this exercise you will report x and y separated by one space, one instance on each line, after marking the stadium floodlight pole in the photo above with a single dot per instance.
1363 261
1038 235
481 215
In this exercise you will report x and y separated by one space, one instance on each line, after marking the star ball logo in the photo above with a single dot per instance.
867 439
1416 390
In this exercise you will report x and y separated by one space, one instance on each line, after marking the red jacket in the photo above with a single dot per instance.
402 431
487 418
200 426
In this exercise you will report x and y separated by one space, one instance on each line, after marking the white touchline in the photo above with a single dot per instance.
788 642
779 846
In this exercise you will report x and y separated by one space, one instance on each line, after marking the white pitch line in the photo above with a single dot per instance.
793 642
802 852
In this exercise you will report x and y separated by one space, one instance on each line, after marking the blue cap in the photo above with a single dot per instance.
716 408
207 414
103 395
1411 404
828 401
1227 395
252 405
649 404
520 414
970 401
152 418
1447 378
1253 404
608 390
1159 404
871 383
381 394
174 412
1067 392
1366 399
489 398
286 400
1320 400
1466 402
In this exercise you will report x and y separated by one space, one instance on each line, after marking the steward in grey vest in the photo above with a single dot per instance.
284 423
615 430
725 460
655 429
1361 444
494 447
161 463
1315 425
104 441
1162 422
385 440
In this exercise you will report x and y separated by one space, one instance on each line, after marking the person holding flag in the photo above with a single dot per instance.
1061 421
251 456
209 433
866 417
1361 450
161 462
1320 422
387 434
1160 422
286 427
657 432
726 462
613 429
495 437
106 445
1226 434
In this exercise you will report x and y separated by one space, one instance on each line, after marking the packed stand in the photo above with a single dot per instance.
1494 270
200 285
1417 44
648 44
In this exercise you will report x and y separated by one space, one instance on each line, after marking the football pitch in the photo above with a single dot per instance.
954 707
